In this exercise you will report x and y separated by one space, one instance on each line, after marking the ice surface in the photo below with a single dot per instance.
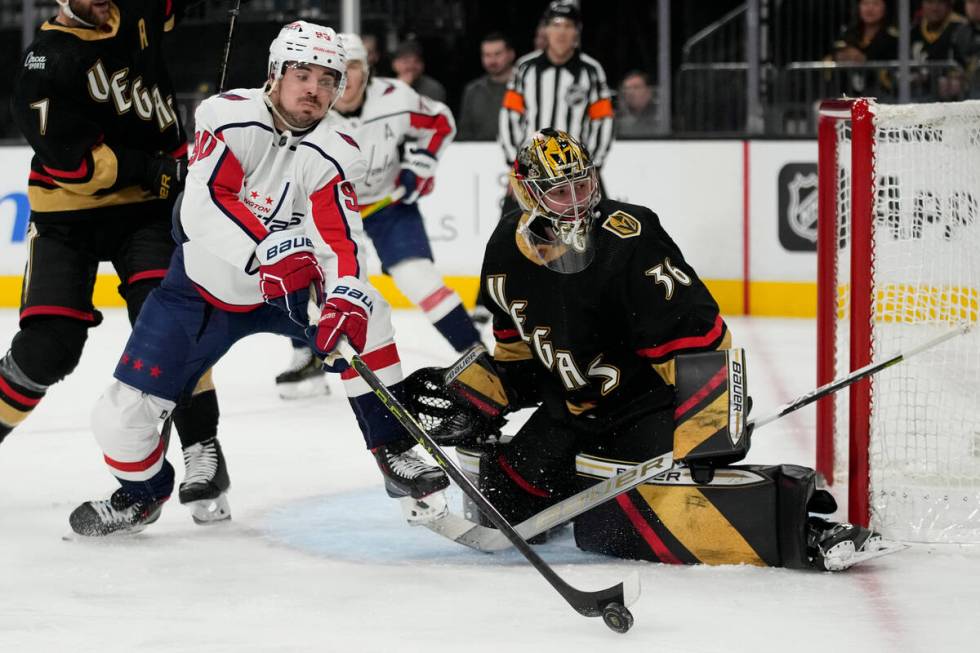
318 559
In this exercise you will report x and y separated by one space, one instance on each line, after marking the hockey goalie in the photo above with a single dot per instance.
603 328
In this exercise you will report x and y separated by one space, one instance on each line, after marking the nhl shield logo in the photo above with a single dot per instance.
798 207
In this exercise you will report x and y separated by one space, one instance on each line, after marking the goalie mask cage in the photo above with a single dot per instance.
898 251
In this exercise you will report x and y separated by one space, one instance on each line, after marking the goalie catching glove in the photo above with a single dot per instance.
463 404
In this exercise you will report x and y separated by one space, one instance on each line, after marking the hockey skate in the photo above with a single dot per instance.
406 474
206 482
836 547
120 514
303 378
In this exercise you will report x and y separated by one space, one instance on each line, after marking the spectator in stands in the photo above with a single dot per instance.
482 97
409 67
541 36
870 37
966 52
636 114
931 41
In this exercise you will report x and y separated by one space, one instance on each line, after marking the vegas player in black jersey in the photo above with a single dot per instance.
95 102
604 329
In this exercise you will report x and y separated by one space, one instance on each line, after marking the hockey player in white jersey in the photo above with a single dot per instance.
402 134
269 218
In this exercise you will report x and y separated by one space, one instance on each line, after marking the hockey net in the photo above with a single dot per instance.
898 264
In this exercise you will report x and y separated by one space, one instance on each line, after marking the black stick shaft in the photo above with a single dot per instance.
590 604
232 18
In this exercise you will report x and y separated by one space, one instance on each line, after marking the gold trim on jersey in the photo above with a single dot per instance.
577 409
699 526
105 171
169 25
512 351
622 224
90 33
204 384
49 200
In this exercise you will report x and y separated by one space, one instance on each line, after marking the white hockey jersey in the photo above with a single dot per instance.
393 114
247 180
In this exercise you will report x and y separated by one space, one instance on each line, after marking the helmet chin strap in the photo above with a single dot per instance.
272 107
66 7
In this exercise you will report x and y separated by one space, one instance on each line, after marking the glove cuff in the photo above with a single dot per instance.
353 290
280 244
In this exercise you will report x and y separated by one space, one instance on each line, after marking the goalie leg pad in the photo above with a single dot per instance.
748 514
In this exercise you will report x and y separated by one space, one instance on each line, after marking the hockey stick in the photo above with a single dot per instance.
609 603
384 202
482 538
232 18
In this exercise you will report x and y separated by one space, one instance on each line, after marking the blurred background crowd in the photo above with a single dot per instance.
676 68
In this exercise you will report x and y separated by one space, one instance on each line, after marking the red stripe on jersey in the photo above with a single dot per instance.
17 396
139 465
506 334
78 173
438 123
692 342
224 185
705 390
376 360
231 308
62 311
328 216
168 8
520 480
146 274
433 300
646 532
180 152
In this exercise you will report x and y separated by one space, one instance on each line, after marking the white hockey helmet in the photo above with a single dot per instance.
354 47
303 42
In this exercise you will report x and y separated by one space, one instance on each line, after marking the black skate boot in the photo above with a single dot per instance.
303 378
120 514
205 482
407 475
837 546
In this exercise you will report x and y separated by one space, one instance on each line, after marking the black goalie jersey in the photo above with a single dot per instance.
603 337
95 103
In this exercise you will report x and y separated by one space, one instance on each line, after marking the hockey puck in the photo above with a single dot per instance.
617 617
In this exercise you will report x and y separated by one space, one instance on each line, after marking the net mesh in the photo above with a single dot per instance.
924 452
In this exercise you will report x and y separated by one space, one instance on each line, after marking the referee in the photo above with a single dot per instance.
559 87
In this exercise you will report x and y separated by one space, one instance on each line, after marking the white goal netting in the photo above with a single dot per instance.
924 454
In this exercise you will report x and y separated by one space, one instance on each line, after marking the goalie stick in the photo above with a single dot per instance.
609 603
483 538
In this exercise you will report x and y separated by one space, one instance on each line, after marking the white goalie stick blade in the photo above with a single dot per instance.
483 538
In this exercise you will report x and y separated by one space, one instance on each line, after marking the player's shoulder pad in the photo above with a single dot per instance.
627 221
240 106
335 148
50 60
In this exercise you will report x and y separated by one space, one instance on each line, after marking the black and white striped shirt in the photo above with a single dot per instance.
572 97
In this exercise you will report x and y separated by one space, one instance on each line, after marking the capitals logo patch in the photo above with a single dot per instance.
622 224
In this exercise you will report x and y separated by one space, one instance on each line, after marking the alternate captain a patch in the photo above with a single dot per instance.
622 224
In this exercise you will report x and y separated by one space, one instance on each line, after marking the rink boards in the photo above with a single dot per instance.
743 212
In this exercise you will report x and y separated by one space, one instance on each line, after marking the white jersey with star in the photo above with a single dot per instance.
247 179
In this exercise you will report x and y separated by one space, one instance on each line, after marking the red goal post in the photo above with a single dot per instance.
898 261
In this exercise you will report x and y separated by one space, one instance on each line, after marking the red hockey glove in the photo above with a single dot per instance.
288 271
345 313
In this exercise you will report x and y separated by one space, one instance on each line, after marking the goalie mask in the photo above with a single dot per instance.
301 42
556 184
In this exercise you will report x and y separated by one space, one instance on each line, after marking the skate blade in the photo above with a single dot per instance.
418 512
210 511
846 559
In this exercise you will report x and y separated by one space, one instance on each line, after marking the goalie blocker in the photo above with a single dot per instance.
705 511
